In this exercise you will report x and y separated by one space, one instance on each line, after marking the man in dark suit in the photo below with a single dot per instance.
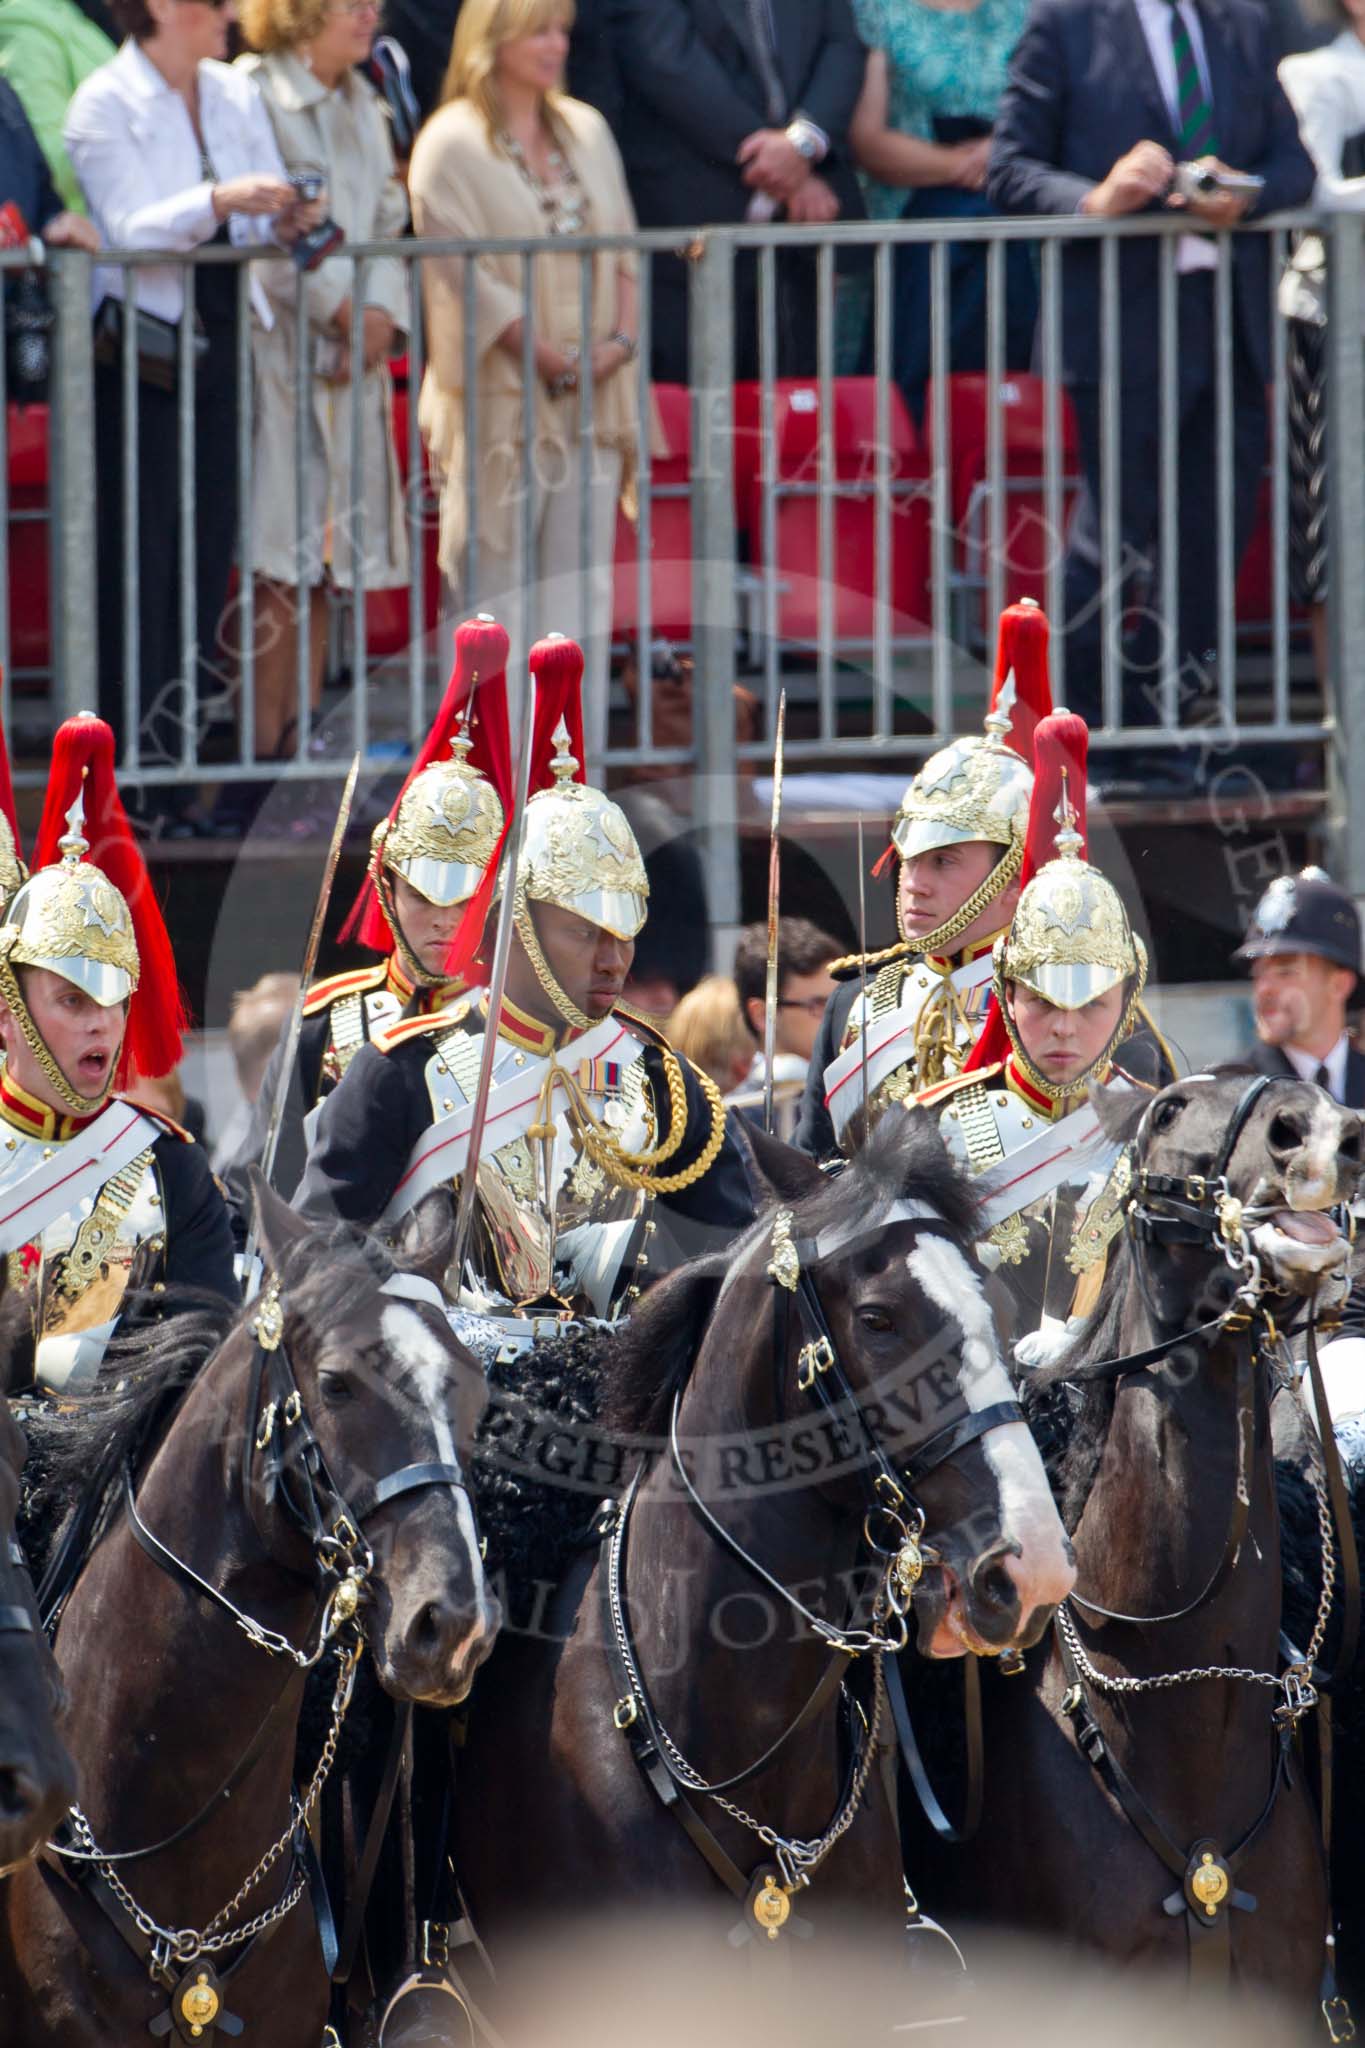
1105 98
736 110
1303 944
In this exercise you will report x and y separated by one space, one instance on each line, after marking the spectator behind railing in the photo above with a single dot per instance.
1326 89
46 48
1104 97
509 155
174 150
921 134
26 181
737 110
326 119
708 1028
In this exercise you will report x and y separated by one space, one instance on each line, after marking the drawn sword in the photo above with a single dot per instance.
774 890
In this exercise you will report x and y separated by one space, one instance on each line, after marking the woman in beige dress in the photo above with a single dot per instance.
508 155
326 118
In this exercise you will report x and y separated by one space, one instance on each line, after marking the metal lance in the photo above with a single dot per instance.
862 960
497 978
774 883
310 961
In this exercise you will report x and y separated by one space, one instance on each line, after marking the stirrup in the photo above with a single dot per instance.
426 2011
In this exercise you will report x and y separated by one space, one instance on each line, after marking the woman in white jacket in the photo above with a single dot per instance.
326 117
174 150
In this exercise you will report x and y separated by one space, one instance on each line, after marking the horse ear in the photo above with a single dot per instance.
276 1225
775 1170
428 1240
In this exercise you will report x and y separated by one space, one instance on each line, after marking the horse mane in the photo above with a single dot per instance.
905 1159
163 1342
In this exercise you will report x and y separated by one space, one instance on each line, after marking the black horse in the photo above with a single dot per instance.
777 1400
1124 1812
307 1486
37 1779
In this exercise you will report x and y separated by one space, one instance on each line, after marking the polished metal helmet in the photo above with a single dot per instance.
446 828
70 919
974 788
13 873
580 853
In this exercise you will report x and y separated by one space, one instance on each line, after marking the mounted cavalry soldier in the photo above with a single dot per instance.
909 1015
100 1196
1066 982
606 1156
427 858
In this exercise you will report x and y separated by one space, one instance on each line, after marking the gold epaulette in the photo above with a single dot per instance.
862 963
419 1027
930 1098
359 981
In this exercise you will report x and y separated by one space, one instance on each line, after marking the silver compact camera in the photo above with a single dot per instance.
1202 181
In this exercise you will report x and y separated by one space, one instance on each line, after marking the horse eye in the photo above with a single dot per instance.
875 1319
335 1388
1165 1113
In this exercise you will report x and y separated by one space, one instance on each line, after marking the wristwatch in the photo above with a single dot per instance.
807 140
627 343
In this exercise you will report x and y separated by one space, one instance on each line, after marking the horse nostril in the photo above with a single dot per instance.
1286 1134
428 1629
18 1795
994 1588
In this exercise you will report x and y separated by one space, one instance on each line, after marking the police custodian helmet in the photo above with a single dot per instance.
1304 913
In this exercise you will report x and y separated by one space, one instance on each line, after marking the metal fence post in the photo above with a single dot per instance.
75 631
1346 542
715 614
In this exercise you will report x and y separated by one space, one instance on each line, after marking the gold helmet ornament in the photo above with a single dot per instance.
88 913
446 824
578 851
13 873
978 787
1070 939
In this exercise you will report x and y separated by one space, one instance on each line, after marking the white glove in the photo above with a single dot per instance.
1046 1344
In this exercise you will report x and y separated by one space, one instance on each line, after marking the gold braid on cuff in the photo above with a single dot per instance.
12 996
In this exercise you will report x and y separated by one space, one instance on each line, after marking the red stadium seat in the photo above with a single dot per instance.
1027 546
670 534
29 519
795 560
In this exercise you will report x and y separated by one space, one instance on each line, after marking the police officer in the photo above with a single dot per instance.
100 1196
959 835
606 1157
1067 978
426 860
1303 944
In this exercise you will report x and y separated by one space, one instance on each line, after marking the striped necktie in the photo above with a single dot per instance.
1194 114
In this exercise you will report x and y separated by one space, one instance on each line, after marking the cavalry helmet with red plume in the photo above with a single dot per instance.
89 914
978 787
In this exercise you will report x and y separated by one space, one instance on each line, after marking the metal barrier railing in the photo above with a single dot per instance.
883 694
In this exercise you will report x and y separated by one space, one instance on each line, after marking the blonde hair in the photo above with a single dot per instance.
483 27
708 1028
271 25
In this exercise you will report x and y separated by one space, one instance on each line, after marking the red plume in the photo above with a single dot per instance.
7 793
556 667
480 665
1060 747
83 751
1022 649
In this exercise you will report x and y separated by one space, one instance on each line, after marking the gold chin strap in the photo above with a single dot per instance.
412 966
540 966
12 997
1005 871
1079 1082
